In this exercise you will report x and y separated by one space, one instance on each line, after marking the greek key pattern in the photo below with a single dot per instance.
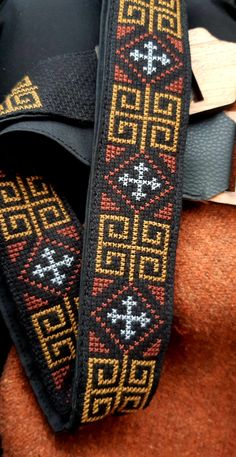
24 96
96 348
29 207
130 313
154 15
56 328
41 257
156 115
115 385
125 248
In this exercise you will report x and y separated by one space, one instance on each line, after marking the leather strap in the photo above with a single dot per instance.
208 156
97 348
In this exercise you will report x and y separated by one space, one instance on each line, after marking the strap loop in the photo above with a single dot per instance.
63 86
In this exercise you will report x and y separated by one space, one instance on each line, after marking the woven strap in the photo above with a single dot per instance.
97 348
134 206
62 87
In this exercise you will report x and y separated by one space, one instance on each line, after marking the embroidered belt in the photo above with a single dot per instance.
91 320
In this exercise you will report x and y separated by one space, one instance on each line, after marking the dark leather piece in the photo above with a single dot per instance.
208 156
76 140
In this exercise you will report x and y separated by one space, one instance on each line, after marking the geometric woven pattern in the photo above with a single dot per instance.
56 329
150 58
29 208
140 181
153 15
41 256
136 247
127 276
92 322
127 315
52 266
156 114
115 385
24 96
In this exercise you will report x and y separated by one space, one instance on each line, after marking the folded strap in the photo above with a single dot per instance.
123 307
62 86
41 246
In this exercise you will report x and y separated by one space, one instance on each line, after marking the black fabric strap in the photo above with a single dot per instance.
61 86
134 204
93 340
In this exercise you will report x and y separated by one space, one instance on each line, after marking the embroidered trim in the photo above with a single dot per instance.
124 305
40 242
24 96
128 269
62 86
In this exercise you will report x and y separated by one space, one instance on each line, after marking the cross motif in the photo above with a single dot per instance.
129 318
140 181
53 267
150 57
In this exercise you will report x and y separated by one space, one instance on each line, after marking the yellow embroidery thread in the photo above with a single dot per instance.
24 96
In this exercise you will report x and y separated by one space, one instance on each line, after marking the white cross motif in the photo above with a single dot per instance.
53 267
129 318
150 57
140 181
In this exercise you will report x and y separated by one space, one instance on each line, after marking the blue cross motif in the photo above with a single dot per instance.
150 57
53 267
140 181
129 318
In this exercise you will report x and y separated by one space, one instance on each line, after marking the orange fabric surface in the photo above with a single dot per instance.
193 413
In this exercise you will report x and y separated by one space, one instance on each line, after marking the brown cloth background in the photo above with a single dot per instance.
193 413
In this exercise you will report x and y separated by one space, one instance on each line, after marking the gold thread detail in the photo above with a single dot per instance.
121 247
24 96
115 385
